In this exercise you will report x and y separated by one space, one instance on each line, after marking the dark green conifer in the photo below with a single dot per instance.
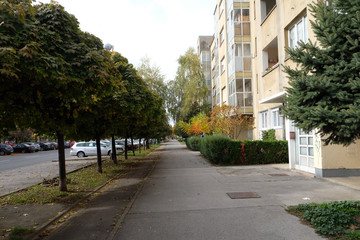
325 87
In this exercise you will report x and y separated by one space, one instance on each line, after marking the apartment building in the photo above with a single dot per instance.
231 56
203 50
275 25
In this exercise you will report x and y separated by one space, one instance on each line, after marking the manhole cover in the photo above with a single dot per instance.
278 175
243 195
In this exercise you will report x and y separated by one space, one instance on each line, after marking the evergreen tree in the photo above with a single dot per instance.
325 87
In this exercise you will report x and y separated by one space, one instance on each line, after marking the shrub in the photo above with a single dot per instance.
265 152
219 149
215 148
328 220
193 143
331 219
269 135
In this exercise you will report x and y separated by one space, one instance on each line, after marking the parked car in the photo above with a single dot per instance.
128 143
35 145
120 147
84 149
67 144
23 148
9 143
5 149
44 146
52 145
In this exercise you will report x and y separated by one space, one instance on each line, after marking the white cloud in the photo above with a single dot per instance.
160 29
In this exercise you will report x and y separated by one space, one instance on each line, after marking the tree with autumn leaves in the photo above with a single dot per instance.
223 120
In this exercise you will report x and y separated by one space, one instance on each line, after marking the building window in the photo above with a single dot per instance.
241 21
276 119
240 93
222 65
306 143
222 36
255 47
223 97
218 99
221 7
266 8
263 117
298 32
254 10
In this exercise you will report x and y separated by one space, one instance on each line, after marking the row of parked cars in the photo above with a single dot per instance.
26 147
80 149
84 149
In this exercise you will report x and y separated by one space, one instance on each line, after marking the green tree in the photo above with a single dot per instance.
133 101
188 90
325 87
58 67
152 76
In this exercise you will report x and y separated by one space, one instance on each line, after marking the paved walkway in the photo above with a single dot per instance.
186 198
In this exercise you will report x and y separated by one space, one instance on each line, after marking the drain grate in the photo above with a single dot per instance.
243 195
278 175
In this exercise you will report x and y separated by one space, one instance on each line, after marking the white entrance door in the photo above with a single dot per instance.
305 151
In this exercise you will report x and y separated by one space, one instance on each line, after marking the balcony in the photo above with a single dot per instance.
270 56
271 83
269 28
267 6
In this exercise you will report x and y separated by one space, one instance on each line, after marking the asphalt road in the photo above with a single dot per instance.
18 160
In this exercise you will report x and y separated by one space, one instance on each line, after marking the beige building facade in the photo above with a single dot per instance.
231 56
275 25
203 50
231 63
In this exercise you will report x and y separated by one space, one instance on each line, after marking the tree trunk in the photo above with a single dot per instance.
126 149
139 145
113 147
98 150
147 144
132 146
62 167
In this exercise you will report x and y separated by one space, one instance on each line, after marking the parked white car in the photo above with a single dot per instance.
84 149
120 147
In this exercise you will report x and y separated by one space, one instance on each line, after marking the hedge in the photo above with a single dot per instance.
222 150
193 143
214 147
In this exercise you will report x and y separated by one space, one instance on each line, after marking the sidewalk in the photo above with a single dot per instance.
185 197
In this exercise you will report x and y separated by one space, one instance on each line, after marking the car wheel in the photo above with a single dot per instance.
2 153
80 154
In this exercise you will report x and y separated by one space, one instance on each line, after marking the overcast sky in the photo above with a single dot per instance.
159 29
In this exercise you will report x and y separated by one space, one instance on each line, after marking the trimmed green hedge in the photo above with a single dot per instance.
193 143
222 150
214 147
